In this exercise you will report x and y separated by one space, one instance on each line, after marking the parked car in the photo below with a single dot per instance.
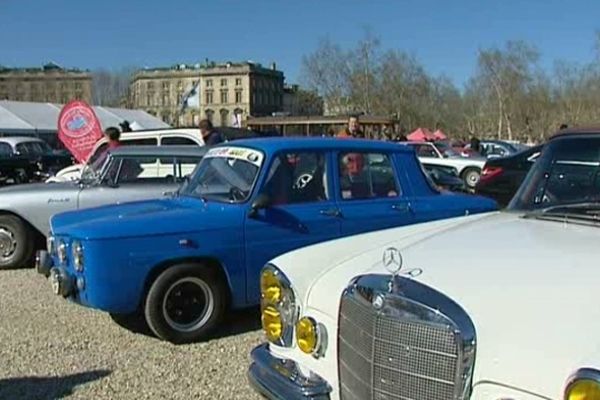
43 161
406 313
491 149
13 168
469 168
126 174
445 177
501 177
149 137
180 261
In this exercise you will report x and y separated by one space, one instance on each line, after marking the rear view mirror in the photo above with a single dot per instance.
262 201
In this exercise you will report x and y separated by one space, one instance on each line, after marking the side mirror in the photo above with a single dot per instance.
262 201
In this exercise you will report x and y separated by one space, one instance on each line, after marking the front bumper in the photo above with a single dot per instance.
43 262
281 379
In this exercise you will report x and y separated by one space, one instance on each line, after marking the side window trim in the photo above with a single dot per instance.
400 188
328 168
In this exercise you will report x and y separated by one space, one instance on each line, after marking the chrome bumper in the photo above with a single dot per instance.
43 262
280 379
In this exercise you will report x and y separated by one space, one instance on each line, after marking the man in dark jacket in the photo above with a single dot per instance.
209 134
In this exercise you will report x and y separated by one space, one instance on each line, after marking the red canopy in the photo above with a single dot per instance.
421 135
439 135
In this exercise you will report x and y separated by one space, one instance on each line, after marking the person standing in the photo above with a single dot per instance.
353 129
209 134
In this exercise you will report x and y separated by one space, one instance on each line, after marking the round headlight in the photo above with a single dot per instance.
584 385
270 286
272 323
61 250
307 335
77 250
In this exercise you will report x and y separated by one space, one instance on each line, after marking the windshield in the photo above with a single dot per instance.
33 148
567 172
92 171
225 174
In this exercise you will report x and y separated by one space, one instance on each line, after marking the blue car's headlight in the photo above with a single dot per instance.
77 253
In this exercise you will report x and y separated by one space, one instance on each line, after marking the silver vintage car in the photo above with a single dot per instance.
121 175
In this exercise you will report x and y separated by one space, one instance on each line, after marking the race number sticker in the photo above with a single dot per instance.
239 153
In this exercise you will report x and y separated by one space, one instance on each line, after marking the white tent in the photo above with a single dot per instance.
26 118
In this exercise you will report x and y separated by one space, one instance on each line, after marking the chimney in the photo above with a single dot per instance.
274 66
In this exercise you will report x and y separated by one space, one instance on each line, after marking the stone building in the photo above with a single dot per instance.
230 92
227 93
159 91
48 84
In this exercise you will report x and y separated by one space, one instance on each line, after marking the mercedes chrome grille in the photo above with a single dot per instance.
412 343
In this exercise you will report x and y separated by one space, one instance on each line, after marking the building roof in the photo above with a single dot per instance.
273 144
316 119
20 117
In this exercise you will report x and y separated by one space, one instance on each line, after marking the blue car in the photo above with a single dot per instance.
182 261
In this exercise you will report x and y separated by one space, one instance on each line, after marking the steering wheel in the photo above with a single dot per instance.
235 193
303 180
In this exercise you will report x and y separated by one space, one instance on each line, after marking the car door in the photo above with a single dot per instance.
370 192
301 211
130 178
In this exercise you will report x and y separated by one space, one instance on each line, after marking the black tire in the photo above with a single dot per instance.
471 177
185 303
16 243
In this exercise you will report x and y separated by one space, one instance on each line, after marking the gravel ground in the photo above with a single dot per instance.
53 349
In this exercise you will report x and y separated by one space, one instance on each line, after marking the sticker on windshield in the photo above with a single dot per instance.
239 153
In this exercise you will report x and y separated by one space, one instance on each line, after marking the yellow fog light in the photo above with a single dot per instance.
307 335
270 286
583 389
271 323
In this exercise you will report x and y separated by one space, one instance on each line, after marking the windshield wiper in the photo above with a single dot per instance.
586 211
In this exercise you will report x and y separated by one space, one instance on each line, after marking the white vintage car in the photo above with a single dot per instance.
469 168
412 313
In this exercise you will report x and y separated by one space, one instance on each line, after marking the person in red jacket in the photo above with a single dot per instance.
353 129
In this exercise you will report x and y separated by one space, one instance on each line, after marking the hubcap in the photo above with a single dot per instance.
188 304
8 243
472 178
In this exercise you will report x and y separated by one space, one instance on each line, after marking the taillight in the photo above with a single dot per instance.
490 173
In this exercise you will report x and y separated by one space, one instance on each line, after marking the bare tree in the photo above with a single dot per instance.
111 86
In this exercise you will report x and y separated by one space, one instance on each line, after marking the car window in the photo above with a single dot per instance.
297 178
5 150
176 141
32 148
367 175
424 150
177 167
140 142
140 170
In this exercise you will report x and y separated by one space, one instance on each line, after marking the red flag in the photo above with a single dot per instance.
79 129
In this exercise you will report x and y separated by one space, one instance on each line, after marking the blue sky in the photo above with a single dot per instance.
443 35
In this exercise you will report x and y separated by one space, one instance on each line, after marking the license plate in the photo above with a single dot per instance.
55 281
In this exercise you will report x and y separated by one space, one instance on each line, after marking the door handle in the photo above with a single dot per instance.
331 212
402 207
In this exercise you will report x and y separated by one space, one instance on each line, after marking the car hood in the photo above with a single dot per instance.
143 218
528 285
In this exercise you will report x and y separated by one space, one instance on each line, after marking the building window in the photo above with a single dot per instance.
180 85
165 85
79 95
238 81
238 96
150 86
224 114
223 82
209 83
77 86
224 99
209 97
165 99
209 114
149 99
